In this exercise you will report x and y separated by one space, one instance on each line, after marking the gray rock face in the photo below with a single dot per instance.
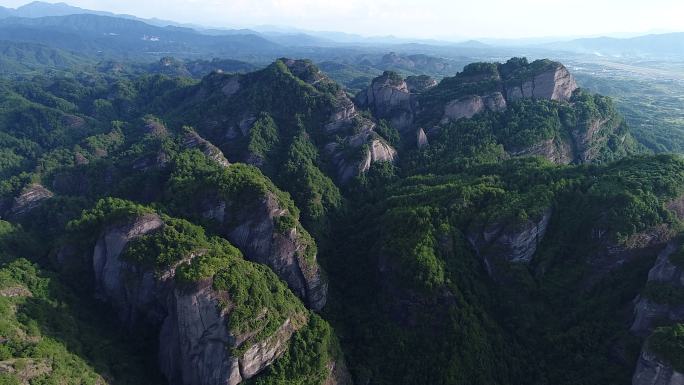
194 140
194 341
652 371
348 155
471 105
560 153
379 151
389 98
513 245
252 229
554 84
421 138
338 374
343 116
31 196
350 166
417 84
588 140
262 354
231 86
465 107
110 270
646 311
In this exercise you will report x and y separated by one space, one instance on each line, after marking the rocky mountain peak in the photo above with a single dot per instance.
542 79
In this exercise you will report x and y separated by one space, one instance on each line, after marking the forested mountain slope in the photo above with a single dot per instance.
500 226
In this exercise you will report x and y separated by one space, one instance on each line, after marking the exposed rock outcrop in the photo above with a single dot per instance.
340 131
421 138
647 312
588 140
497 243
554 83
191 139
389 98
29 198
559 152
356 156
468 106
338 374
482 87
479 87
195 343
252 229
418 84
652 371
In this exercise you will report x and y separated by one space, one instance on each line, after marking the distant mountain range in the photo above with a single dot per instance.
660 45
115 36
112 36
43 9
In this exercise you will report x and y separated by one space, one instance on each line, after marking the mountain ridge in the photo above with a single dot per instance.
266 227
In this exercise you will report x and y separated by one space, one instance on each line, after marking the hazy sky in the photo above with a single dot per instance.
415 18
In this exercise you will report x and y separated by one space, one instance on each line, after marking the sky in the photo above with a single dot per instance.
439 19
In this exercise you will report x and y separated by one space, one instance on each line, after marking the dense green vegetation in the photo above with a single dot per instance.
261 301
411 297
652 106
664 292
668 343
306 362
52 335
425 222
677 257
285 139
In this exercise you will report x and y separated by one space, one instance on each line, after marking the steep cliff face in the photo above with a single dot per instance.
388 97
420 83
497 243
590 137
471 105
656 304
481 87
554 83
359 146
421 138
253 229
651 370
492 86
296 96
109 269
570 126
358 154
197 344
557 151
